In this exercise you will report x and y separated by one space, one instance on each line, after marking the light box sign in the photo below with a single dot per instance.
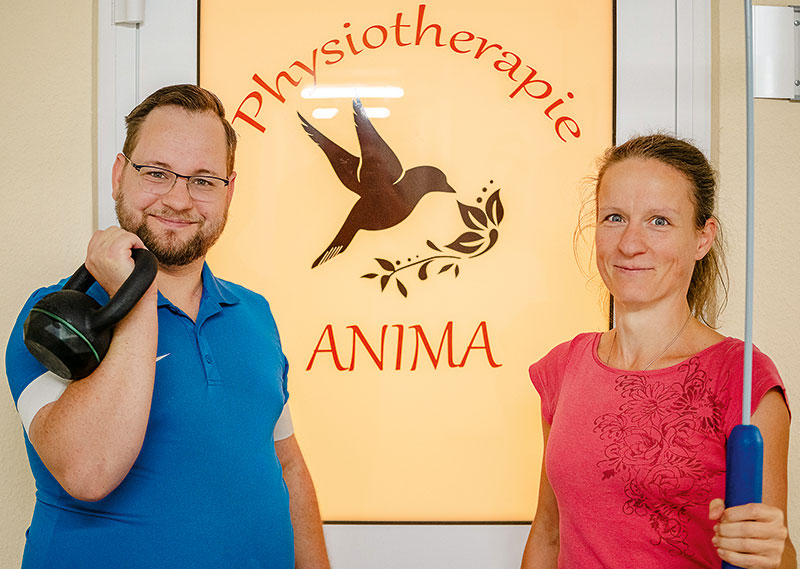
408 184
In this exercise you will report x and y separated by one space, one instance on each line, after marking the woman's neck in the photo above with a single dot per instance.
655 337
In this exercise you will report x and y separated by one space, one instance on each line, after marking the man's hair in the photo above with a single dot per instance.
191 98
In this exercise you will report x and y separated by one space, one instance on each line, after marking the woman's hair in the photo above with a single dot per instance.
192 99
708 289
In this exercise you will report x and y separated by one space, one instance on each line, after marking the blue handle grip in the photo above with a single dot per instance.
745 464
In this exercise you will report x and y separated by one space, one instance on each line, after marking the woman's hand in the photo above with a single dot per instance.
752 536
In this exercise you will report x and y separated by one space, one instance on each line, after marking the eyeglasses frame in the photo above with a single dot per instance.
138 168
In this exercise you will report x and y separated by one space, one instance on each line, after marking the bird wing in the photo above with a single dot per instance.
348 230
380 167
344 164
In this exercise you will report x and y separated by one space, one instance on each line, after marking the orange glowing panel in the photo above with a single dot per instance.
409 179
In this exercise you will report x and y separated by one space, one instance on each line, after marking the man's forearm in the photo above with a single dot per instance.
90 437
309 540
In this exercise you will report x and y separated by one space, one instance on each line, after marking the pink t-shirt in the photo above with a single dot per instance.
634 457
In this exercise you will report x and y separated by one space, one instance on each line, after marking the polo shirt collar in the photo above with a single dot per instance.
215 291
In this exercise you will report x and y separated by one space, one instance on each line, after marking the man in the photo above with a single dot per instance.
178 450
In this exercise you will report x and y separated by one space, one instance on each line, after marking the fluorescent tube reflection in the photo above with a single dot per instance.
351 91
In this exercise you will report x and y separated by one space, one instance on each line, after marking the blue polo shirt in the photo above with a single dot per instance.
206 490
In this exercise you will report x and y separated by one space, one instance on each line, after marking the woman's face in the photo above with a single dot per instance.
646 241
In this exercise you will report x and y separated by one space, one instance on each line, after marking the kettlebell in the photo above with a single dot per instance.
69 332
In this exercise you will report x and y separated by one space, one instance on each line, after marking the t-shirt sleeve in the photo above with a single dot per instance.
547 375
765 378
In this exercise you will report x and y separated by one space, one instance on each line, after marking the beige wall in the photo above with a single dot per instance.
47 60
47 164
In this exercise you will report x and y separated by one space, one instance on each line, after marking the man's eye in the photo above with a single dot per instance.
202 183
660 221
155 174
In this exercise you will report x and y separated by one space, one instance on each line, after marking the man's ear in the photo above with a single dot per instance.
230 187
116 175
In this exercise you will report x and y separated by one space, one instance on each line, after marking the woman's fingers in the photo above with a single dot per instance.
751 535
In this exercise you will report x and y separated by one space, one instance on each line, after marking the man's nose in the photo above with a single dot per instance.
178 197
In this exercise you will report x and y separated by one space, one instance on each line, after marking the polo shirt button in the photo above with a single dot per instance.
208 358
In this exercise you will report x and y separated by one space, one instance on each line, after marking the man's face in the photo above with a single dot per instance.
176 228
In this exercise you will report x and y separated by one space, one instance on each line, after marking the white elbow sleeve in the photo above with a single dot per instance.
45 389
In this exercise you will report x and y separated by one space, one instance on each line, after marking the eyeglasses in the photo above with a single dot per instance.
160 181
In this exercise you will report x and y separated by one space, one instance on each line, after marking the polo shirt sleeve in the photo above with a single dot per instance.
32 385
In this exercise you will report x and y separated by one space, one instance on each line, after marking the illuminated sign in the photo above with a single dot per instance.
409 179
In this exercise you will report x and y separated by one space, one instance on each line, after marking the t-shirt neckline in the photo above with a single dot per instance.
602 364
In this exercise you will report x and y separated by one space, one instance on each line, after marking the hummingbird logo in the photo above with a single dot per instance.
387 192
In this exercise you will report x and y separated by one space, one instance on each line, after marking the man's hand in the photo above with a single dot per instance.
752 536
108 257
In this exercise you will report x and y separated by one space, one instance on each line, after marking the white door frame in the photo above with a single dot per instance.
663 83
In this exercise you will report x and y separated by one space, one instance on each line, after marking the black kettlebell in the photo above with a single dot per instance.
69 332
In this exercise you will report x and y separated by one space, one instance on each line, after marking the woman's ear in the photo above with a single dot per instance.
705 238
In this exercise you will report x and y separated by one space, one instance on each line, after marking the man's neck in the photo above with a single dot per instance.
183 285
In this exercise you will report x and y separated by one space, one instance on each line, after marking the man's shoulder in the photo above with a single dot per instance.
232 292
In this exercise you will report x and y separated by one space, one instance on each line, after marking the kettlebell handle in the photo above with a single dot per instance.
144 271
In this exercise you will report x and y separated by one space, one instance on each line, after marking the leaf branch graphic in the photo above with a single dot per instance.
481 235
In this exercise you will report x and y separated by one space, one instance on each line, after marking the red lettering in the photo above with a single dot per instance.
454 39
512 67
327 332
327 344
529 80
276 92
481 328
554 105
338 52
483 47
350 41
357 332
568 121
399 358
384 33
436 27
397 27
446 335
247 118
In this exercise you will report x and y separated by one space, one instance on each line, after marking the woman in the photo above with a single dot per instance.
635 419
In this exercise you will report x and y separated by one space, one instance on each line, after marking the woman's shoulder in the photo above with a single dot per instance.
730 350
560 353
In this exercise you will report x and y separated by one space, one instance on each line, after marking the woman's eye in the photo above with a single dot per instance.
614 218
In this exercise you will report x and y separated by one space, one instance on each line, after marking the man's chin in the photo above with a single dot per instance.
170 250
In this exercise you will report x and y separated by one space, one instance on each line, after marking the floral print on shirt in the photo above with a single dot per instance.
656 442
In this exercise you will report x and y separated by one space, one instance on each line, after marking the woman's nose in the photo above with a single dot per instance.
633 239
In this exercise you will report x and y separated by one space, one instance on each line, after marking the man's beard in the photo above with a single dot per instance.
165 249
